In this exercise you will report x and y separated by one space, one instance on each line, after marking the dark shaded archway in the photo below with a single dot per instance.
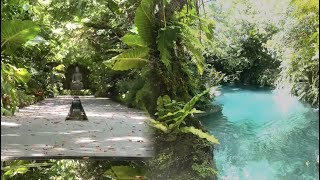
85 76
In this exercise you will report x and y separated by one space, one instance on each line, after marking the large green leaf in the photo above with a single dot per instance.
177 115
165 42
191 35
10 74
133 40
162 101
113 6
129 59
16 32
22 75
197 58
189 105
144 20
159 125
208 31
194 46
200 134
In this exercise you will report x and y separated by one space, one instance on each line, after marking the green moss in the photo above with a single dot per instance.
188 157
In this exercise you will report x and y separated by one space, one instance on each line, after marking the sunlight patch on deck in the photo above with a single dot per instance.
40 131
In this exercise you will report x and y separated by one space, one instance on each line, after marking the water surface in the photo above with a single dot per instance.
264 135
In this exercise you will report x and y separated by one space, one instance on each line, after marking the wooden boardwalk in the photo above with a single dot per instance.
40 131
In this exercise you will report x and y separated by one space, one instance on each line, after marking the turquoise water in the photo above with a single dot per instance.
264 136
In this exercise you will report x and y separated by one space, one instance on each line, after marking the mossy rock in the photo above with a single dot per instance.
188 157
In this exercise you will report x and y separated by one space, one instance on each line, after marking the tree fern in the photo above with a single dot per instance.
16 32
129 59
144 20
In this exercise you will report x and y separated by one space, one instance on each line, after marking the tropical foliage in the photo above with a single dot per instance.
172 117
297 45
14 34
166 52
159 56
72 169
274 44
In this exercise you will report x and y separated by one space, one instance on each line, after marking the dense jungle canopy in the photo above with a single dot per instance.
159 56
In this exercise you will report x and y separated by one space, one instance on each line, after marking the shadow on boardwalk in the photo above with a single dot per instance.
40 131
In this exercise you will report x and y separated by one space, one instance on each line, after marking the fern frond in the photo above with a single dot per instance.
172 115
200 134
158 125
194 46
197 58
192 36
165 42
189 105
144 20
114 50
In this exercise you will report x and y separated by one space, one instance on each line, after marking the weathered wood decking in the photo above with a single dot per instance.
40 131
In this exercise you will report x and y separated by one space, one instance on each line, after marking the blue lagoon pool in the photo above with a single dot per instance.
264 136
